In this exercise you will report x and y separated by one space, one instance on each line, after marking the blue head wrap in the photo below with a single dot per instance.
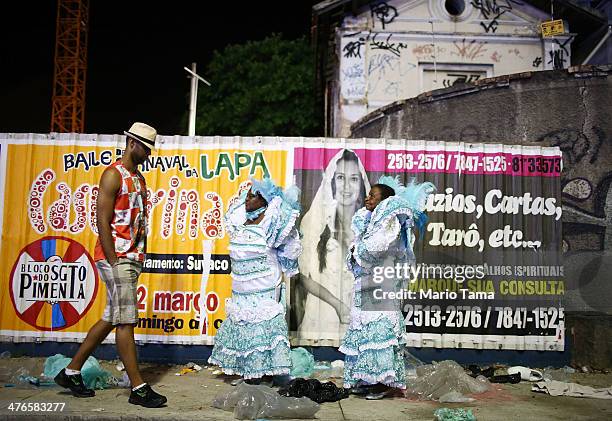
415 194
269 190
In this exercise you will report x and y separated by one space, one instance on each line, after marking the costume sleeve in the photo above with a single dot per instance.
371 248
235 215
289 252
278 222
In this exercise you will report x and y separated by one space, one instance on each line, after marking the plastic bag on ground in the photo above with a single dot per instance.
249 402
454 397
411 361
438 379
325 370
459 414
558 374
302 363
94 376
315 390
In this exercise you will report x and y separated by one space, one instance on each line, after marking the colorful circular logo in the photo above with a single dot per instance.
54 282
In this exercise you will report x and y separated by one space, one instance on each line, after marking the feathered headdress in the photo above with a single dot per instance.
415 194
269 190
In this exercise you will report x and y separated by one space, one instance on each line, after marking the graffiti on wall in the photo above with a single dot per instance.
559 54
469 50
383 12
387 45
457 78
491 11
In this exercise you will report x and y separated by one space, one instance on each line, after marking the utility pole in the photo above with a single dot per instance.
193 97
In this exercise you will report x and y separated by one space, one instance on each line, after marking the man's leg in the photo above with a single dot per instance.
126 347
95 336
74 381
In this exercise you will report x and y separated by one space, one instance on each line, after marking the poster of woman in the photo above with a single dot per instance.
322 291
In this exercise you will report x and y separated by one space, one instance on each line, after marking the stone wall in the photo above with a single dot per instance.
569 108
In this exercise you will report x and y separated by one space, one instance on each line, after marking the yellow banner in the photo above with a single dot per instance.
50 286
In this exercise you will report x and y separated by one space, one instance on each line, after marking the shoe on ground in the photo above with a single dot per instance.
375 396
74 383
359 390
145 396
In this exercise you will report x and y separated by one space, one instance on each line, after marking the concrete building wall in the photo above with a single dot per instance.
399 49
571 109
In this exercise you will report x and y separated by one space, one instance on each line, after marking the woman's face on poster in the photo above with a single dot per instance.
347 182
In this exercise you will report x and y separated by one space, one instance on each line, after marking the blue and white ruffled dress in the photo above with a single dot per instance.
373 344
253 340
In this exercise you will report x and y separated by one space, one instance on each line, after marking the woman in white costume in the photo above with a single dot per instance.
264 243
327 234
374 342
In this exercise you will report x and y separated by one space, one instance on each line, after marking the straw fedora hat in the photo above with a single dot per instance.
144 133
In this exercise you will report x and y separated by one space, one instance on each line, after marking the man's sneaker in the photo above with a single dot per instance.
145 396
74 383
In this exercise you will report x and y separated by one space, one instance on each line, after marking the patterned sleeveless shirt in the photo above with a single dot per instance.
129 223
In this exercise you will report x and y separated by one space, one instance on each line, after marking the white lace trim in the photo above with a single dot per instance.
235 217
230 372
399 211
271 219
372 345
292 272
275 342
387 378
264 311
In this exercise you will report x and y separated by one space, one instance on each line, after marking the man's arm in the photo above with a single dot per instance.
110 183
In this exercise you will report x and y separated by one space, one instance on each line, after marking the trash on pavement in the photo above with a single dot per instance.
559 374
438 379
459 414
94 376
555 388
454 397
193 366
526 373
184 371
302 363
249 402
314 390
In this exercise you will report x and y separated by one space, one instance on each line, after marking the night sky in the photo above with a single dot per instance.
136 54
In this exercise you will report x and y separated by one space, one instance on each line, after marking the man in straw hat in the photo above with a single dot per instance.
119 255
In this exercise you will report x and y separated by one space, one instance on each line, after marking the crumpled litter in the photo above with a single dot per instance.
314 389
302 363
438 379
526 373
249 402
560 374
94 376
459 414
325 370
454 397
556 388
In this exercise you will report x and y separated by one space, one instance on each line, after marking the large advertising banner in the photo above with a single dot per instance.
487 275
51 290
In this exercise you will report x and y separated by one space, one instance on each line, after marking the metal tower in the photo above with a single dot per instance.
68 109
